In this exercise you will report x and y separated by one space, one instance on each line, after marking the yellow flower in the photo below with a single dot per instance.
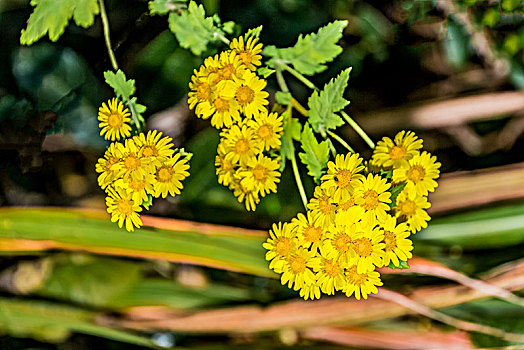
106 165
229 66
330 273
123 208
396 153
138 188
225 111
201 88
224 168
419 174
296 272
311 291
249 52
339 243
411 207
153 145
348 211
398 246
169 176
241 143
114 120
322 206
262 174
373 196
248 195
268 129
133 164
310 233
343 175
282 241
248 91
361 284
368 247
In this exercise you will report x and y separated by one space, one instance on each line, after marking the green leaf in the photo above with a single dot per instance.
402 265
316 155
395 191
163 7
255 32
292 130
193 29
265 71
313 50
51 17
148 203
283 98
123 88
324 105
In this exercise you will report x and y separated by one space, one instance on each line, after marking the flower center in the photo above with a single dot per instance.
398 152
343 178
226 165
132 162
363 247
242 146
354 277
324 204
115 120
124 207
245 95
313 234
370 200
408 207
297 264
163 174
341 242
137 185
228 71
204 91
331 267
265 131
221 105
150 151
246 57
347 204
283 246
416 173
260 173
391 240
110 162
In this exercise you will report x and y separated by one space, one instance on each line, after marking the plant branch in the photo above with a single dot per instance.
358 129
105 24
300 109
299 181
297 75
222 37
341 141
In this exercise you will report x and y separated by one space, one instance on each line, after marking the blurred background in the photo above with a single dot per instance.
452 71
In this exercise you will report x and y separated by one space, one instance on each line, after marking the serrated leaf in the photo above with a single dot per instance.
254 32
312 51
265 71
283 98
315 155
52 16
163 7
395 191
402 265
292 130
148 203
324 104
123 87
193 29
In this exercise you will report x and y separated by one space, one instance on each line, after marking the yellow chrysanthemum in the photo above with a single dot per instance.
310 291
114 120
396 153
154 146
229 66
201 89
322 206
411 207
169 176
343 174
419 174
339 243
249 52
123 209
369 249
330 273
348 211
373 196
309 232
296 272
361 284
225 111
398 246
247 195
262 174
133 164
282 241
241 143
248 91
224 168
138 188
268 129
107 166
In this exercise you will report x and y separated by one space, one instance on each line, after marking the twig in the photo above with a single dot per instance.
341 141
105 24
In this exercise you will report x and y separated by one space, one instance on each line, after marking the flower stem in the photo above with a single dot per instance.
297 75
299 181
358 129
280 80
300 109
105 24
341 141
222 37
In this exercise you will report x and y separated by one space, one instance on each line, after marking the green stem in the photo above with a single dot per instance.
297 75
341 141
105 24
280 80
358 129
222 37
332 148
299 181
133 114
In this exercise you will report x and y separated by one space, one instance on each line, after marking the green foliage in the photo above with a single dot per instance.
284 98
402 265
193 29
324 105
254 32
315 155
312 51
163 7
265 71
395 191
51 17
292 131
123 88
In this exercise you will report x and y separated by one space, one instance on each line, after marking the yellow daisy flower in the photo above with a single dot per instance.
411 206
123 209
224 168
262 174
248 91
201 89
309 231
311 291
373 196
229 66
398 246
368 247
154 146
420 173
114 120
242 144
361 284
106 165
343 175
247 195
169 176
322 206
282 241
339 243
249 52
348 211
133 164
396 153
138 188
225 111
268 129
297 272
330 273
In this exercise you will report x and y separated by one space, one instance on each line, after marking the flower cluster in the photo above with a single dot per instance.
357 221
137 169
227 89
